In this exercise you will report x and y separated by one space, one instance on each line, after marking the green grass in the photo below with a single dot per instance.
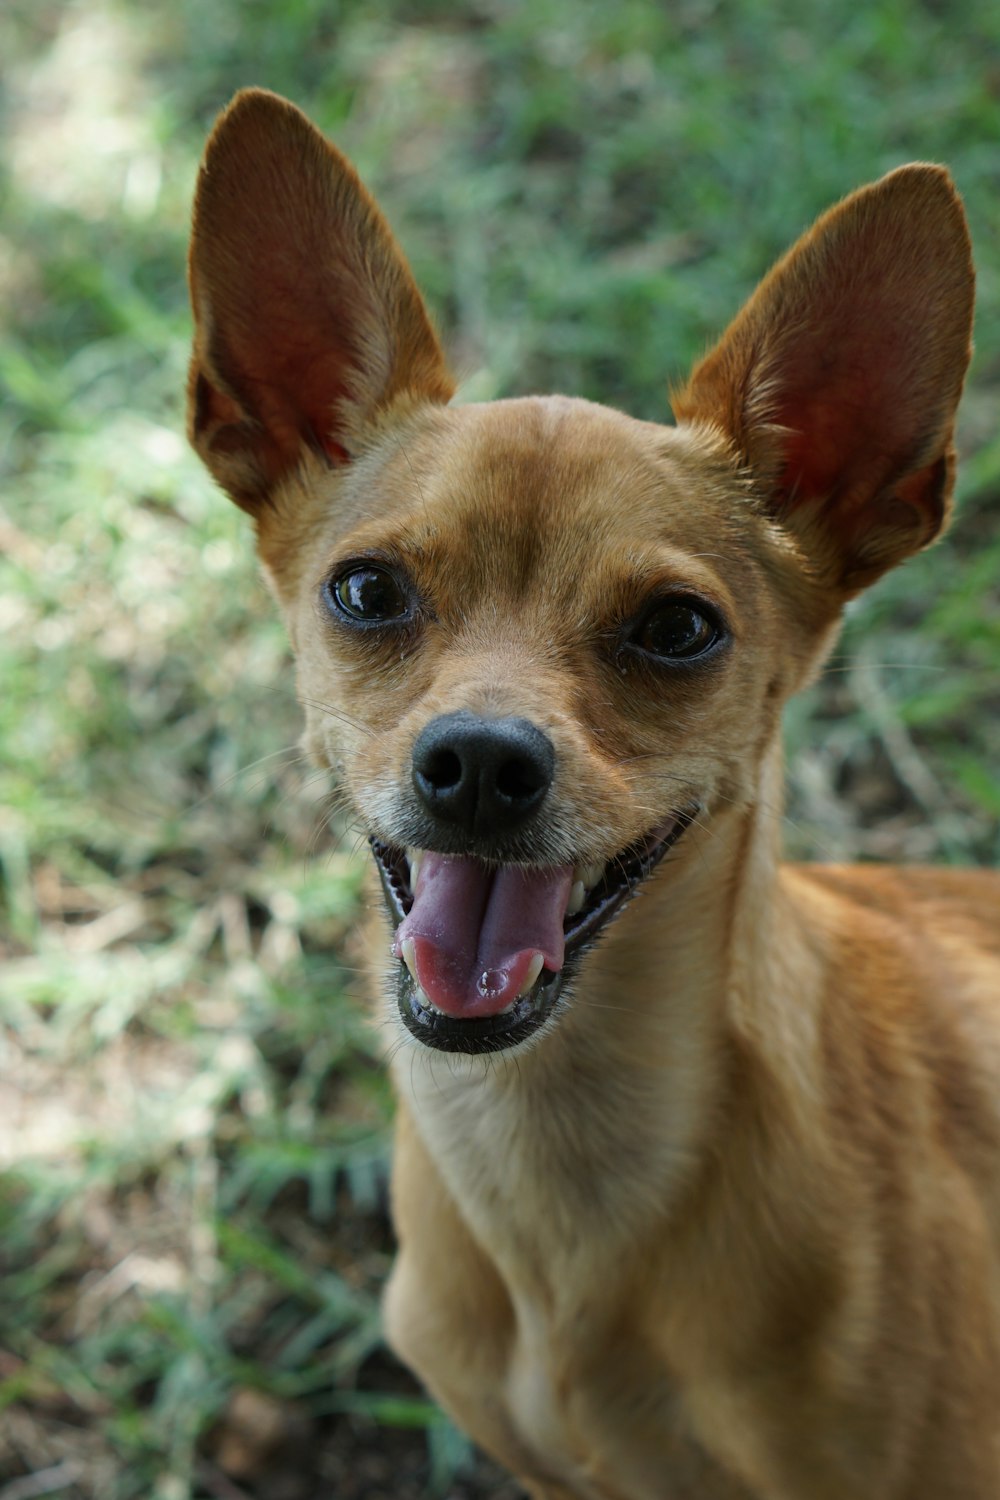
192 1204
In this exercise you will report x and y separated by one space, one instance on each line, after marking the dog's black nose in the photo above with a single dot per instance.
485 776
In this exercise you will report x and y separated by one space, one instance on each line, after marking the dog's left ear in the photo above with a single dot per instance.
837 384
308 322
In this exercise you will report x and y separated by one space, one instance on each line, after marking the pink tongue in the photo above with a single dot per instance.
475 931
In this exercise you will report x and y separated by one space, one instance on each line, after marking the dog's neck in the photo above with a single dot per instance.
603 1122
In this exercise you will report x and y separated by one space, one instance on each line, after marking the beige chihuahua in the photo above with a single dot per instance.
697 1180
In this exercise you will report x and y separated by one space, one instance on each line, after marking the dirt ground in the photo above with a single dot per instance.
261 1452
261 1449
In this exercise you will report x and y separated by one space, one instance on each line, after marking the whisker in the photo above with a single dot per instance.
344 717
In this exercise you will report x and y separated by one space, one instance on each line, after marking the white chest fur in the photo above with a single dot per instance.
556 1169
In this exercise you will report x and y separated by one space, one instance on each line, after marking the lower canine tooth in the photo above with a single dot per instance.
408 953
534 969
577 896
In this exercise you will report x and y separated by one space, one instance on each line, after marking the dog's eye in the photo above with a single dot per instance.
368 593
676 631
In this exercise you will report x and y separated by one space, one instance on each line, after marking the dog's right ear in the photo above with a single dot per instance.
308 322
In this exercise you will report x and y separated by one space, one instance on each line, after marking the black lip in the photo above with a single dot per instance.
621 879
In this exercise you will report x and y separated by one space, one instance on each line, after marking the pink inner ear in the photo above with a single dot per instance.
812 451
308 321
855 451
838 381
265 400
831 439
846 399
335 452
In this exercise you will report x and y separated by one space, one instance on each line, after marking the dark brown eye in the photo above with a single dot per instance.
369 594
676 631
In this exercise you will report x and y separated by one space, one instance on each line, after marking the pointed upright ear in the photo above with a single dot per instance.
307 320
837 383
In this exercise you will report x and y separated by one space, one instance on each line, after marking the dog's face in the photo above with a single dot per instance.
536 639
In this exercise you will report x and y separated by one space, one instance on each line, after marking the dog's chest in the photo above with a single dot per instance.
551 1171
583 1389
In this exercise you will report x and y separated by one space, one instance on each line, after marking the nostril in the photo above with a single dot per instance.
519 780
442 770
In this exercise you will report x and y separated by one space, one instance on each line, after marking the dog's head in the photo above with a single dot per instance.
536 638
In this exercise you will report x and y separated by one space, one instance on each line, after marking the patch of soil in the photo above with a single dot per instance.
265 1451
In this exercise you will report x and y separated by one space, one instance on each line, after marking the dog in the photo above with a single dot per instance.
697 1172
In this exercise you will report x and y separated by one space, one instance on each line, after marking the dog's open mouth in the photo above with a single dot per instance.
484 949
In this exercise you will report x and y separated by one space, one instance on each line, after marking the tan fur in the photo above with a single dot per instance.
730 1228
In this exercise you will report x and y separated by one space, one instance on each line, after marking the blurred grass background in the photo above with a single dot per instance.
193 1149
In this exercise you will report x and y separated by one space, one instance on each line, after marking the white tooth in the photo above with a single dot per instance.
577 897
416 859
421 995
534 969
589 875
408 953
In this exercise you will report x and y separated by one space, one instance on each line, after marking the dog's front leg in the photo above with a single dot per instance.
446 1312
